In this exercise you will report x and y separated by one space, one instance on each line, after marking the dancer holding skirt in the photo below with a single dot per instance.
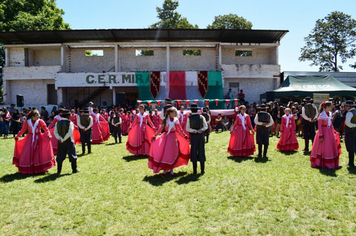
288 140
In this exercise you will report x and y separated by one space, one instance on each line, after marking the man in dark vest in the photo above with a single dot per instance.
263 121
207 119
350 131
85 122
196 125
116 127
310 115
167 105
219 123
63 131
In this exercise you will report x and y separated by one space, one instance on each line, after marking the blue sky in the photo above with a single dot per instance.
298 16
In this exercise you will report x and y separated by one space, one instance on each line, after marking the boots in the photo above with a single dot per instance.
74 166
207 138
195 166
259 150
89 148
115 139
202 167
306 141
265 151
83 149
59 168
351 159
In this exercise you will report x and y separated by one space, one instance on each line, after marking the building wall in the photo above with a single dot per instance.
129 62
259 56
78 62
17 57
207 60
47 58
72 94
34 91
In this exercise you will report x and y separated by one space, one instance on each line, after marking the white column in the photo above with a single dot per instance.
60 96
114 96
7 57
167 54
63 57
116 48
220 58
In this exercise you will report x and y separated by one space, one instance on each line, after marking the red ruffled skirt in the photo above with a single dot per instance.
101 132
34 157
168 152
326 154
288 140
139 139
242 143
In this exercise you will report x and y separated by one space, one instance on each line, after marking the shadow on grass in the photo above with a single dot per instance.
288 153
261 159
160 179
352 170
328 172
189 178
110 144
16 176
134 158
239 159
49 178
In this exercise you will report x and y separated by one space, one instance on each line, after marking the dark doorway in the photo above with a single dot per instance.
51 94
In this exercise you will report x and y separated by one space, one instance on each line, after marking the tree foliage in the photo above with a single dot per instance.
230 21
170 18
333 37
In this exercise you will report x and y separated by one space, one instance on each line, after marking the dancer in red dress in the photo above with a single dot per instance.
140 134
288 140
51 130
242 143
156 119
33 154
171 149
125 122
101 132
183 117
105 115
76 133
326 146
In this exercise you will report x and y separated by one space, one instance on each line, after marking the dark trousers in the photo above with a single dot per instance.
262 139
116 132
15 128
64 149
85 138
308 132
350 143
197 151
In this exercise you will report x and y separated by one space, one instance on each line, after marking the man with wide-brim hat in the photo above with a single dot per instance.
85 122
63 131
196 125
263 121
350 131
310 116
167 105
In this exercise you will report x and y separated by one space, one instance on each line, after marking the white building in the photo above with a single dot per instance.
58 67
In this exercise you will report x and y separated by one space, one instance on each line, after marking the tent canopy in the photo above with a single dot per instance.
302 86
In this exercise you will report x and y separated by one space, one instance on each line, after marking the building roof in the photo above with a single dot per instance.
131 35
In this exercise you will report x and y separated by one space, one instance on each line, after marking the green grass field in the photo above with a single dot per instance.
116 194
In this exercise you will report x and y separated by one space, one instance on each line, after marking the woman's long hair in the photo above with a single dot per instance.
169 111
33 113
323 105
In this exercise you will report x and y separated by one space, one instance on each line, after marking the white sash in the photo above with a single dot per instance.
33 127
242 118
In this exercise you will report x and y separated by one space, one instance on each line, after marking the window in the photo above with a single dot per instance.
144 53
94 53
243 53
191 52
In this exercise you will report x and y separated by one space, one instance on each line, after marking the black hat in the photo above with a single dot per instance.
349 103
262 107
193 106
308 99
167 100
65 112
85 110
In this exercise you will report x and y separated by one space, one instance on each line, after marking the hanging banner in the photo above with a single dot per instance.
203 83
155 79
177 85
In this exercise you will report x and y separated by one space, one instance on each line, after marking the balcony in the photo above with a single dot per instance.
30 73
258 71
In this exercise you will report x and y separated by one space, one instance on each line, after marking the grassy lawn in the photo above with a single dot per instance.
116 194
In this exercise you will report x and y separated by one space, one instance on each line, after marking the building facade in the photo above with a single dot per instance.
76 66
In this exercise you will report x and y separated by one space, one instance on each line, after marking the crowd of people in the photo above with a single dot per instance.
171 137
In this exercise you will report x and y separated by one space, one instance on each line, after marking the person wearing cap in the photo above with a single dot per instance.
207 119
196 125
263 121
116 127
63 131
140 134
85 123
167 105
350 131
91 107
309 115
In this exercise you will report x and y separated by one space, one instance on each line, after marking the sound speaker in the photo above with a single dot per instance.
19 101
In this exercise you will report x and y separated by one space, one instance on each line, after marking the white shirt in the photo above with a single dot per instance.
349 116
190 130
68 135
261 123
90 123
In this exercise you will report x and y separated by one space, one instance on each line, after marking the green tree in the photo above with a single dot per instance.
333 37
170 18
230 21
24 15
